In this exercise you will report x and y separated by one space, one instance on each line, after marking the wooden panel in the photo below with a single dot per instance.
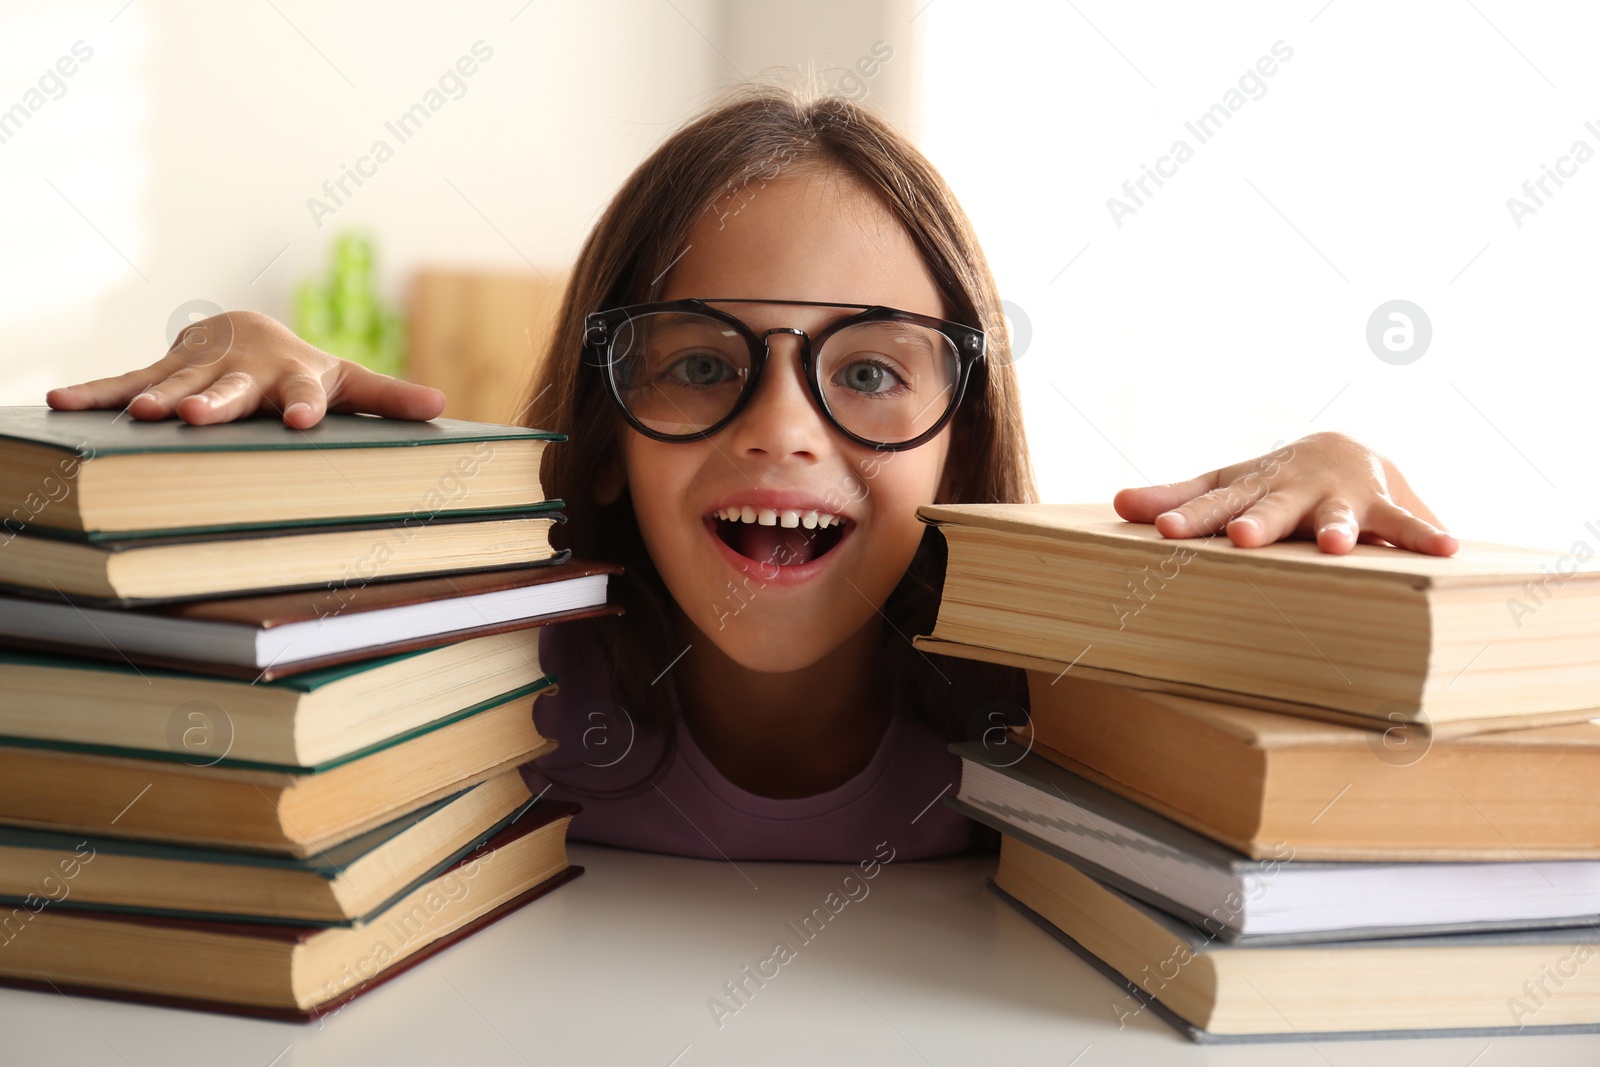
476 335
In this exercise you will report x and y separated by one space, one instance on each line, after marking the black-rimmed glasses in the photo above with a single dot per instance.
681 370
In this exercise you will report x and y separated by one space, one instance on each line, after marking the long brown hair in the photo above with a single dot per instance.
760 131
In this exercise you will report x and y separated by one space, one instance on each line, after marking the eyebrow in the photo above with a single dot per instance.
685 318
845 311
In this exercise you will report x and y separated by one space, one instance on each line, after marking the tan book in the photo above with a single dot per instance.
1261 783
340 885
1399 987
307 720
129 570
267 809
1532 981
278 970
1492 632
101 472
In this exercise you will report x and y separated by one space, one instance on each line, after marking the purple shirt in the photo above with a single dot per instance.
659 793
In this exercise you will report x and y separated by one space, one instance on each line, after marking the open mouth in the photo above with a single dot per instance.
776 538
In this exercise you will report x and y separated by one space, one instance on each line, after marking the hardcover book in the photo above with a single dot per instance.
1485 984
1493 632
106 472
275 635
281 971
1281 898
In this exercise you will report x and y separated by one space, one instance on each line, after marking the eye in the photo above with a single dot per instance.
701 369
868 376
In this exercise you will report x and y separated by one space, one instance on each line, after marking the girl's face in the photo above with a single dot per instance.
777 597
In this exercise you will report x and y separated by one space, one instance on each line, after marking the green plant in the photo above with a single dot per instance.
344 314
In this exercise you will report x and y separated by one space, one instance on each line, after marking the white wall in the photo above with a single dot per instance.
1225 314
177 163
192 139
867 50
1230 311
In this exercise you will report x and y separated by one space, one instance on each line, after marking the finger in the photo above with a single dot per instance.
358 389
304 400
1267 521
104 392
232 396
161 399
1335 525
1208 513
1145 503
1399 527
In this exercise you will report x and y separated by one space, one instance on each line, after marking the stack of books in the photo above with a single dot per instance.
1278 794
263 696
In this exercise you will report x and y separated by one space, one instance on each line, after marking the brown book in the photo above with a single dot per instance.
270 810
287 972
1489 633
262 638
1261 782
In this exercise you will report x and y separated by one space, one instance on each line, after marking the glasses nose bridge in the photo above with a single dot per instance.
804 339
794 331
802 363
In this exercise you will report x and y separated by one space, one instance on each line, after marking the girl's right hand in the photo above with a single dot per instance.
228 366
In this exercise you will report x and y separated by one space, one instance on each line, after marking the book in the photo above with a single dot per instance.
310 720
1396 724
1529 981
296 811
281 971
342 885
103 472
1259 782
126 570
261 638
1381 633
1236 899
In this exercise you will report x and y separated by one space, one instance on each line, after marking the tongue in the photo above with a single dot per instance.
781 546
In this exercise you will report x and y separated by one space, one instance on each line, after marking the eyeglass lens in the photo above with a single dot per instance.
682 373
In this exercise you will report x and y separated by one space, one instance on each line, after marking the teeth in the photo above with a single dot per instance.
792 517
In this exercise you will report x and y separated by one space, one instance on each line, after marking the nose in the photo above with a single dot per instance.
780 418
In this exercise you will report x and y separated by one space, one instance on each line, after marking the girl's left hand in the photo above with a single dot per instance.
1327 485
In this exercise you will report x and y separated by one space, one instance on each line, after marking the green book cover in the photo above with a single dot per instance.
328 863
284 768
109 433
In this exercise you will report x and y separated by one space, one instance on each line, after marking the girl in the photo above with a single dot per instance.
751 434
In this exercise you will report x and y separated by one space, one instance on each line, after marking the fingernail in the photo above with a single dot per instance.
302 406
1246 522
1177 516
141 396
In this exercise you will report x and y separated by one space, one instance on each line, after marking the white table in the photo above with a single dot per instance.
618 966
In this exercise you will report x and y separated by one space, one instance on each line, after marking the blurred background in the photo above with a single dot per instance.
1216 230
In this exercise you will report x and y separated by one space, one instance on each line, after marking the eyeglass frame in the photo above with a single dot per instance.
600 327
